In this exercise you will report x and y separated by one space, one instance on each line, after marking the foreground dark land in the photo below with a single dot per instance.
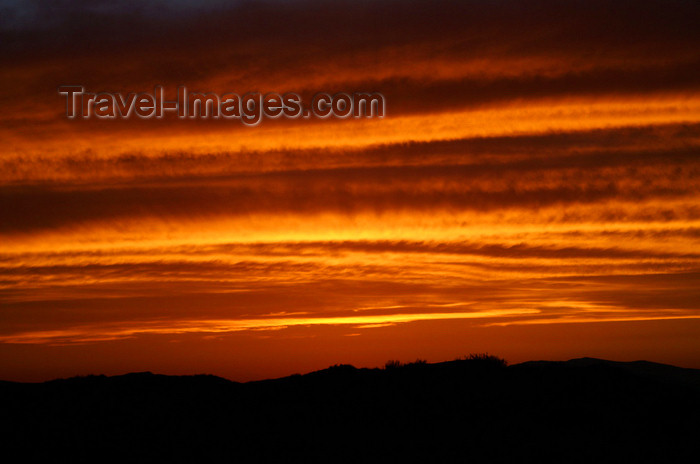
583 410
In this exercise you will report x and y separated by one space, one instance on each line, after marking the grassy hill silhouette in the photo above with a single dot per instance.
477 408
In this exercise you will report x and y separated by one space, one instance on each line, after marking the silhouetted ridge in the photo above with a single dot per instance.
582 410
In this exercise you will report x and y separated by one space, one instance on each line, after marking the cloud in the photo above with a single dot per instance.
538 164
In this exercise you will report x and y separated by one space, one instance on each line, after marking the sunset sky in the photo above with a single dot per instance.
533 191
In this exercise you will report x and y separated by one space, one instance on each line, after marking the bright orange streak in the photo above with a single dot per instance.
536 117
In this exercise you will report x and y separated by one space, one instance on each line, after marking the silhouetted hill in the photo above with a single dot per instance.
583 410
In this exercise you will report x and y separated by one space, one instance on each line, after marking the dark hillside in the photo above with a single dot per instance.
583 410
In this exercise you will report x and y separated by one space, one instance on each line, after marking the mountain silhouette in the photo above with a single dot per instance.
475 409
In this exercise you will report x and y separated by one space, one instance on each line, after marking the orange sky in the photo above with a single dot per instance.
532 192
